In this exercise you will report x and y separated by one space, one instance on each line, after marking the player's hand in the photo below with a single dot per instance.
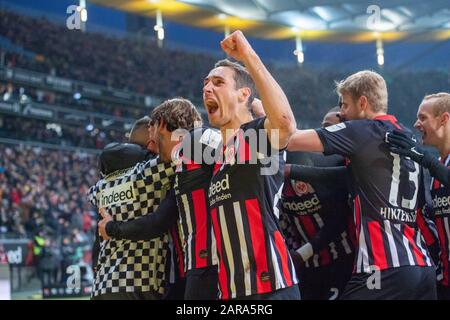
106 217
237 46
401 144
257 108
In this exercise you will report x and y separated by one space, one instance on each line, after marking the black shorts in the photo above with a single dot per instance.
150 295
327 282
202 284
401 283
443 292
290 293
175 291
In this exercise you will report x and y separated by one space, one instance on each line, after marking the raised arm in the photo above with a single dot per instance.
274 101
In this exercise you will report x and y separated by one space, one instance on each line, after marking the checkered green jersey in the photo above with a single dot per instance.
125 265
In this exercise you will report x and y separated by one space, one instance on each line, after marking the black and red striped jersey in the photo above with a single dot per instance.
244 197
192 179
319 214
441 210
387 194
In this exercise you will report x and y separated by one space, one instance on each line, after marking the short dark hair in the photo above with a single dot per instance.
241 77
178 113
333 110
144 121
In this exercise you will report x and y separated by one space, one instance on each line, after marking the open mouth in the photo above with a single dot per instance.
211 107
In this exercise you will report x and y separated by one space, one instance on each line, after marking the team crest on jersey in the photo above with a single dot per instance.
336 127
300 187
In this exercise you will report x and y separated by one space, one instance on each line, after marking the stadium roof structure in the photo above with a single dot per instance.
352 21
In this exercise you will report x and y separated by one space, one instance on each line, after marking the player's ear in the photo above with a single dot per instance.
244 94
445 117
363 103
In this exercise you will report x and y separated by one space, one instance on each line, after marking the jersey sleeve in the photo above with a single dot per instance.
343 138
155 171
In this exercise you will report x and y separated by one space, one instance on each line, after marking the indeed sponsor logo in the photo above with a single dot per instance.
302 205
441 201
219 186
118 194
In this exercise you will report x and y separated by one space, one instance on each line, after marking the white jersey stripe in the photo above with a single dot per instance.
422 250
188 247
447 233
345 243
279 278
243 245
228 250
318 220
362 253
406 245
333 250
391 241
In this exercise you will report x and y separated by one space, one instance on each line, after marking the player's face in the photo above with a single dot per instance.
152 142
350 109
429 124
220 96
330 119
167 142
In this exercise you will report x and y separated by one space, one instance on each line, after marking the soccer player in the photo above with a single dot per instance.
254 262
192 180
130 269
392 261
433 121
316 220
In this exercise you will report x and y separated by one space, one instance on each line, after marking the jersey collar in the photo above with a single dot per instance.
388 117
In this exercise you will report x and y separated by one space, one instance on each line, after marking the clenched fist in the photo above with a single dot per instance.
237 46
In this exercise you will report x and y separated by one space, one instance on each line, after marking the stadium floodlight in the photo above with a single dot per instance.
222 16
299 50
380 52
83 15
159 28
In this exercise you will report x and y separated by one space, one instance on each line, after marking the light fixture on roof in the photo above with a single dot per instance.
83 14
159 28
222 16
299 50
380 52
226 31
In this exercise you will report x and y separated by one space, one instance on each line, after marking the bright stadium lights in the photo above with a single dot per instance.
380 52
226 31
159 28
299 50
222 16
83 14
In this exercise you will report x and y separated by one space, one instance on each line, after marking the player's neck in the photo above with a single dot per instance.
373 115
229 129
444 147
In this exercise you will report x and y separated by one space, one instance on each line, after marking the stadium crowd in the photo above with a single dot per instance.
33 206
143 67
